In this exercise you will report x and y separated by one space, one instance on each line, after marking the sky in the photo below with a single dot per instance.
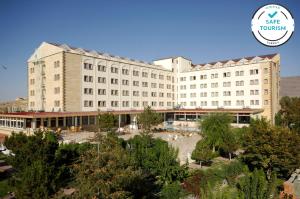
203 31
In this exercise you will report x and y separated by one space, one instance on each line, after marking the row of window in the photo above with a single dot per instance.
225 74
125 82
113 92
225 84
125 71
89 103
225 103
225 93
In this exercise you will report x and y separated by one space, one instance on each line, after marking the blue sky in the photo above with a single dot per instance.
203 31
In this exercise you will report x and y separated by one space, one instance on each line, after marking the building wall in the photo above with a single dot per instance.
169 82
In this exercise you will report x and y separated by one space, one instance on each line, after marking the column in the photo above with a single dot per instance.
237 118
33 123
48 122
64 121
75 122
56 122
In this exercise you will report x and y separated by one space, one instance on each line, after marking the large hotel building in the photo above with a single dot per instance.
64 79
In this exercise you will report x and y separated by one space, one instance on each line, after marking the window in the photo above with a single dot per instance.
32 70
203 85
153 103
56 90
168 77
226 93
192 78
266 102
182 79
135 73
203 76
193 103
101 91
215 75
144 74
32 104
266 91
144 84
214 103
239 73
125 82
226 74
183 87
254 92
254 72
169 95
114 92
203 103
114 103
102 80
226 84
161 86
240 102
102 68
161 94
88 91
101 103
88 103
32 81
153 75
240 93
145 103
182 95
32 93
56 77
226 103
161 103
254 82
145 94
192 95
88 66
114 70
203 94
169 103
56 103
135 93
56 64
161 77
153 94
87 78
266 81
135 83
125 92
153 85
135 103
125 103
193 86
125 71
266 71
168 86
214 85
113 81
239 83
214 94
254 102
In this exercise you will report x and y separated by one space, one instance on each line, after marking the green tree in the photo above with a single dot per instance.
107 122
156 157
107 171
202 154
271 148
256 186
289 114
42 166
214 128
149 118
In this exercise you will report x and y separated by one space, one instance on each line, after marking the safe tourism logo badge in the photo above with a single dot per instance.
272 25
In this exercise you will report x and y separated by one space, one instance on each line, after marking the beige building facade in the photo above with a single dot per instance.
67 79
